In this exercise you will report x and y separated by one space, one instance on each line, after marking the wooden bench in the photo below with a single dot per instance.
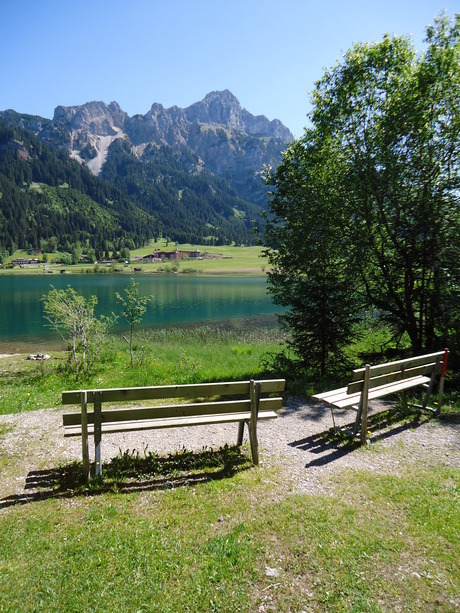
211 405
381 380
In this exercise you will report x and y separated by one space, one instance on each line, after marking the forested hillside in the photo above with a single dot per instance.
192 175
191 208
45 196
48 198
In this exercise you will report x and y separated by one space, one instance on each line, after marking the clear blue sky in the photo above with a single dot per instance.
268 53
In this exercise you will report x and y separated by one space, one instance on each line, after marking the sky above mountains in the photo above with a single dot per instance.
268 53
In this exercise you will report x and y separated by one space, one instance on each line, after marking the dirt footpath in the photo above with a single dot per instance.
298 443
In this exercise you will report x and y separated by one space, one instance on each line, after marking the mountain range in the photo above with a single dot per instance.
193 174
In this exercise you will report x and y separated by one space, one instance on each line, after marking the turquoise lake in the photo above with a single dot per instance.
177 300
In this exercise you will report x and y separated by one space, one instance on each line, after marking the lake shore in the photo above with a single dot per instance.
152 269
224 260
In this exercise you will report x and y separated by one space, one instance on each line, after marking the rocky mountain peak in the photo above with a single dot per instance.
215 134
96 117
219 107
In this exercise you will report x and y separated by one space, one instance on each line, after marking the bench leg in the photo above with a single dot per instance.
441 380
358 417
84 435
404 402
364 404
255 400
239 440
97 434
254 443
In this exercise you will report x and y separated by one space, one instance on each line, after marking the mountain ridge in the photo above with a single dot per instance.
196 171
88 130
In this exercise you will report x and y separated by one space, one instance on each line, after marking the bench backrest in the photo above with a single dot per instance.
382 374
205 391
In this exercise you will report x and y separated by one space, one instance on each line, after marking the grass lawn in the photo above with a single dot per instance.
208 531
240 542
222 260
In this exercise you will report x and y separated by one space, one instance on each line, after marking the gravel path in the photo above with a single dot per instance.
294 443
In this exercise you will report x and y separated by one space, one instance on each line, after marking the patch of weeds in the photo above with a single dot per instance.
188 369
131 470
131 464
341 438
5 428
242 350
69 477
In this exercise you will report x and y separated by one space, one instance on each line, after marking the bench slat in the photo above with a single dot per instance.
331 396
396 375
157 392
171 411
171 422
347 400
381 369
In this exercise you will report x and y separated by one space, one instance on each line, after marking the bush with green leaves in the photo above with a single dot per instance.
133 308
364 208
73 317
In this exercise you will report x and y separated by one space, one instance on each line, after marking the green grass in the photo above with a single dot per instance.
179 355
208 531
227 259
379 543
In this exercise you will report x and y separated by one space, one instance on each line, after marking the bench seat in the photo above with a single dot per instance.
204 403
340 399
372 382
171 422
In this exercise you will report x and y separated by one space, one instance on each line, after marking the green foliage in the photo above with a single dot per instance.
73 317
309 254
49 199
133 308
376 183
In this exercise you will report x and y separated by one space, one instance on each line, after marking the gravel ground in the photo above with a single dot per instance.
294 443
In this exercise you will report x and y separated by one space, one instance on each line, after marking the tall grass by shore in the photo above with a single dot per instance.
219 352
231 350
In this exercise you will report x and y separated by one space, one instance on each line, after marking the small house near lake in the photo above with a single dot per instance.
23 261
161 256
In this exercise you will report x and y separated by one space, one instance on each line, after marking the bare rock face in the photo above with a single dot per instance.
227 139
216 126
96 118
215 134
159 126
219 108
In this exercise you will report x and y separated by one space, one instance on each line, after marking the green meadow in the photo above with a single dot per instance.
208 531
224 259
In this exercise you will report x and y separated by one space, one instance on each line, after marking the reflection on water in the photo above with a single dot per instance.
177 299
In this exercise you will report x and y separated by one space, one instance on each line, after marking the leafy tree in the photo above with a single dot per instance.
311 272
73 317
133 308
66 259
382 155
76 254
125 255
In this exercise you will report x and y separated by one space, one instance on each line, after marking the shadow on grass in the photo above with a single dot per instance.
335 443
132 472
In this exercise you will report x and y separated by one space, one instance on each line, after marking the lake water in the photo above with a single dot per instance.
177 299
